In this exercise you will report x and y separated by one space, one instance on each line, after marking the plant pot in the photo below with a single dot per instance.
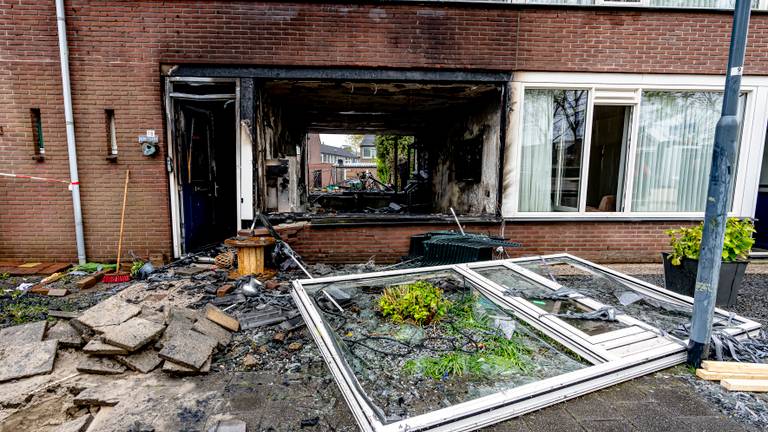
682 279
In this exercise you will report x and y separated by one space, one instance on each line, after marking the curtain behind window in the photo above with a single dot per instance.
674 155
536 164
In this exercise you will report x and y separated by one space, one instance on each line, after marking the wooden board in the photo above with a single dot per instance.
21 268
736 367
717 376
760 386
90 280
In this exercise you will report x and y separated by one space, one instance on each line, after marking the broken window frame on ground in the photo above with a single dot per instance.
641 352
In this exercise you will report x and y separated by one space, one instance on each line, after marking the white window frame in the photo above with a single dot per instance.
749 158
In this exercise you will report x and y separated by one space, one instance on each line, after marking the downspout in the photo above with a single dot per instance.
70 122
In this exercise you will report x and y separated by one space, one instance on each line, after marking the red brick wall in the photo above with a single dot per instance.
117 48
597 241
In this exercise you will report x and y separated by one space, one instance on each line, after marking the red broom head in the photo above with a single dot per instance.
116 277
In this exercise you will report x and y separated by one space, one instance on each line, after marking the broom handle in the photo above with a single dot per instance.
122 220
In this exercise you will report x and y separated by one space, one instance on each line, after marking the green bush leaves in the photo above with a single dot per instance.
686 242
419 302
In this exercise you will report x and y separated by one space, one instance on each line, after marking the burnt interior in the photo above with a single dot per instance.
453 161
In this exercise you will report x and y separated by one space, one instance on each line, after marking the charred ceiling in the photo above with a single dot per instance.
403 108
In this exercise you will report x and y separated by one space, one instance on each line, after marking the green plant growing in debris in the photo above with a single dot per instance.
419 302
19 311
686 242
4 276
495 353
135 267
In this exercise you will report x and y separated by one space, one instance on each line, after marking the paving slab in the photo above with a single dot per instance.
189 348
177 324
152 315
110 312
228 426
20 361
177 369
100 366
96 396
63 314
145 361
23 334
97 347
133 334
77 425
210 328
67 336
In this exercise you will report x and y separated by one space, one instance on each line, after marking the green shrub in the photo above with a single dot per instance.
419 302
686 242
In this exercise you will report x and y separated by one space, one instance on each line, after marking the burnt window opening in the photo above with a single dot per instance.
469 158
109 117
37 134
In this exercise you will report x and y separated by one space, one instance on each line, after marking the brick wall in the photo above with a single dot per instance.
597 241
117 48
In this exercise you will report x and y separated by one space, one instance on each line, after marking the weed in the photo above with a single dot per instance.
135 267
419 302
4 276
20 313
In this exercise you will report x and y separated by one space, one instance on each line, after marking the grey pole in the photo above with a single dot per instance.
70 127
716 214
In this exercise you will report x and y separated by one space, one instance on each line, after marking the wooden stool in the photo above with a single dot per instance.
250 253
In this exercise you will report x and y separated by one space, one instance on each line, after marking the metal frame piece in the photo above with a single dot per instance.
619 355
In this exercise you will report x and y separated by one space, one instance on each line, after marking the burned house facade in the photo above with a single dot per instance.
581 128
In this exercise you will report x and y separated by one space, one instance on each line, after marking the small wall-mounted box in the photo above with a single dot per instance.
148 143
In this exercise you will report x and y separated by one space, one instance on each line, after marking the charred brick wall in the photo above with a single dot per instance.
597 241
117 49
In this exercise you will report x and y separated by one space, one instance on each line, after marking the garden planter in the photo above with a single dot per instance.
682 279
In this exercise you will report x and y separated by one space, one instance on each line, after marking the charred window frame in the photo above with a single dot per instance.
37 134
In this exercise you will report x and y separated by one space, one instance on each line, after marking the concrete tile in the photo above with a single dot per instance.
97 347
20 361
133 334
591 407
145 361
711 424
177 369
100 366
189 348
65 334
210 328
96 396
608 426
23 334
552 419
514 425
77 425
110 312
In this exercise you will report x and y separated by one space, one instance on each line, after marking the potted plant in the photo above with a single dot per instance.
681 265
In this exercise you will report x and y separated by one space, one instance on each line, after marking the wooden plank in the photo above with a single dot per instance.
718 376
58 292
221 318
30 265
737 367
759 386
90 280
52 278
54 268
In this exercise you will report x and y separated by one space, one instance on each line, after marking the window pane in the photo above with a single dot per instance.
674 154
553 134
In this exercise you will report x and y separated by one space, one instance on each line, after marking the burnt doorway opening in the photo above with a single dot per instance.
204 160
447 137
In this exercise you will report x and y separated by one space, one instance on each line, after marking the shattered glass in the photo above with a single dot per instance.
395 364
622 294
553 302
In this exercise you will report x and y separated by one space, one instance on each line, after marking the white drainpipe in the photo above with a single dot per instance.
68 116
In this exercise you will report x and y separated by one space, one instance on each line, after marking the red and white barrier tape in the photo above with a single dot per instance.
69 184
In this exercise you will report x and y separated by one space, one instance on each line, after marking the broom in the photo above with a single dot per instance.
119 276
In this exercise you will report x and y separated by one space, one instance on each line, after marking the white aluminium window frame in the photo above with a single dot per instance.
749 157
617 356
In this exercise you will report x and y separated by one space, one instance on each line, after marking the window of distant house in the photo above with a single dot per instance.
369 153
37 133
575 153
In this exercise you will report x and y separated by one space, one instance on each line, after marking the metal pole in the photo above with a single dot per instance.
716 214
70 127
